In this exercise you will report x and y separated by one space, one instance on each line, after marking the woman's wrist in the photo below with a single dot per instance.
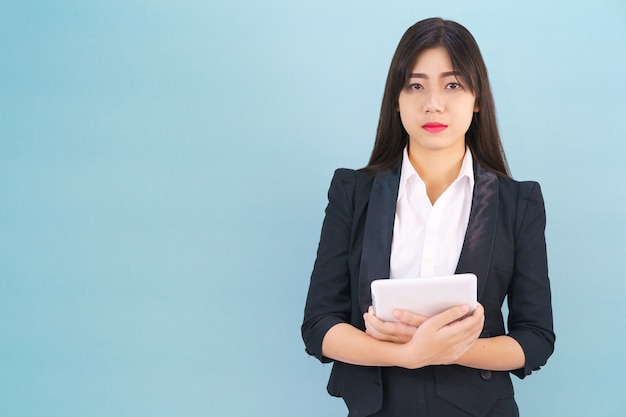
405 356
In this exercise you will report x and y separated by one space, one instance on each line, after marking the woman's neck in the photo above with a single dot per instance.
437 168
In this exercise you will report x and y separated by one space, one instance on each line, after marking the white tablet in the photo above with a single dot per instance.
424 296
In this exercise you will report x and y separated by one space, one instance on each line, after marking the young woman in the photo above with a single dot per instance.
435 199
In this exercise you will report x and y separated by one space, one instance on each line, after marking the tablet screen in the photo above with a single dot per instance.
424 296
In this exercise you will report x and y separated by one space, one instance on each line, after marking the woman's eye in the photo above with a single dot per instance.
415 86
453 86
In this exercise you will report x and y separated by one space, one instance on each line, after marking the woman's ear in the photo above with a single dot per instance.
476 107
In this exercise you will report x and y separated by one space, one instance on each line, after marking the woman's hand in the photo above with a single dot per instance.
443 338
389 331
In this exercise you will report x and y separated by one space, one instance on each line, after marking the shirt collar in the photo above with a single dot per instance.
467 167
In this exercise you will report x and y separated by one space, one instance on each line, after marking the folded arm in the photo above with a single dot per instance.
442 339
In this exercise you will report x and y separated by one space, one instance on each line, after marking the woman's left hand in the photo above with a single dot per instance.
389 331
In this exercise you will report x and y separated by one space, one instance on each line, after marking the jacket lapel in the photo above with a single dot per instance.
481 229
378 232
479 238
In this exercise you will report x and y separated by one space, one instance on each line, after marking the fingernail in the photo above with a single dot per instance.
464 308
397 314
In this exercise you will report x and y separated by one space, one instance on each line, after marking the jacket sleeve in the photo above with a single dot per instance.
328 301
529 296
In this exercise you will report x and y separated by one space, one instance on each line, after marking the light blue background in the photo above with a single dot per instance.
163 170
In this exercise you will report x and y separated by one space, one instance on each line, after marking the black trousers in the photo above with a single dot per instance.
412 393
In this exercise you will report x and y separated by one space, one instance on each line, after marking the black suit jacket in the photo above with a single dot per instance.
504 246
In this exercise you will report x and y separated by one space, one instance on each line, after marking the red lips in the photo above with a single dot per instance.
434 127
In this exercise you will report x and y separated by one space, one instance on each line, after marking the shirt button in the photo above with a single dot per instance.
486 375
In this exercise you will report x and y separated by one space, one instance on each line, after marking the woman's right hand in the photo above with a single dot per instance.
443 338
389 331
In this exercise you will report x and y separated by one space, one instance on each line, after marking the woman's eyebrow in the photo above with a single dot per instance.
442 75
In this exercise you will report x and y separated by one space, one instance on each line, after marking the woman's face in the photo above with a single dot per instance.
436 106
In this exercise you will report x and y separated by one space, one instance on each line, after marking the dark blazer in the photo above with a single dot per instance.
504 246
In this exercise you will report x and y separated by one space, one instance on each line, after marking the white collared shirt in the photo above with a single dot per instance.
427 238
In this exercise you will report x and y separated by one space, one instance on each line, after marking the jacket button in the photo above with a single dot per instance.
486 375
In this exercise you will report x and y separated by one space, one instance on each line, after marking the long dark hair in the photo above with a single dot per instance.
482 137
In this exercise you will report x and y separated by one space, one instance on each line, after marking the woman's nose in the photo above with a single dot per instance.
433 103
